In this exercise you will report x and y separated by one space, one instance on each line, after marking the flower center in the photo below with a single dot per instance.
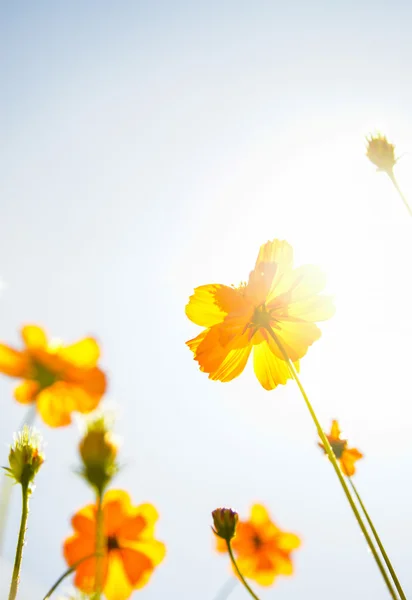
257 541
338 447
261 318
112 543
44 376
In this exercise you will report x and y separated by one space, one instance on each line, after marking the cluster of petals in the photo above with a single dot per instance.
278 302
131 551
347 457
59 379
262 550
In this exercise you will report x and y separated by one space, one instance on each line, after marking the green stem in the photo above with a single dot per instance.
99 547
378 541
242 579
7 483
66 574
334 462
20 542
392 177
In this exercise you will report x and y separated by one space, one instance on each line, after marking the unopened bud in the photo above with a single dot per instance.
26 456
98 451
225 522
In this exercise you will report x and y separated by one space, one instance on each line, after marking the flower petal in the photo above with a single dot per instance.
259 514
269 368
34 337
211 303
117 585
297 285
296 337
288 541
12 362
26 392
335 430
55 405
318 308
233 365
84 521
348 460
137 566
277 251
83 354
116 506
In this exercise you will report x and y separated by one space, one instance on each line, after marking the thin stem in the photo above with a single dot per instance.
226 589
242 579
99 546
66 574
7 483
334 462
392 177
20 543
378 541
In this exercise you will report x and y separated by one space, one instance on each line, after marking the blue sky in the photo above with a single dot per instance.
150 147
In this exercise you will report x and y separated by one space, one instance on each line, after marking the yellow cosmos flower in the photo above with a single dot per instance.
131 552
347 457
262 550
237 320
59 379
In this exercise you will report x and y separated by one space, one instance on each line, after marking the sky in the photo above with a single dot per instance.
151 147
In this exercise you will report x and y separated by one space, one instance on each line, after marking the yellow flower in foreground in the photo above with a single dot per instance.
381 153
347 457
59 379
131 551
276 297
262 550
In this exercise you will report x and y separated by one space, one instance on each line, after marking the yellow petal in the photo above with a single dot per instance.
34 337
300 284
296 337
335 430
259 514
117 584
277 251
233 365
211 303
12 362
348 460
83 354
55 405
288 541
318 308
269 368
26 392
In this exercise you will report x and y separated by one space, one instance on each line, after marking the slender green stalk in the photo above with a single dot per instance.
66 574
20 542
336 467
7 483
242 579
392 177
378 541
99 547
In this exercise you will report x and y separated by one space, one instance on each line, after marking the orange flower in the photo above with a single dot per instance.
347 457
381 153
131 552
59 379
262 550
276 297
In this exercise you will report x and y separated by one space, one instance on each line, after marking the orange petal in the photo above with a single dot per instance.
232 366
26 392
34 337
84 521
77 547
277 251
116 506
117 585
348 460
56 404
139 525
269 368
83 354
137 566
12 362
92 381
211 303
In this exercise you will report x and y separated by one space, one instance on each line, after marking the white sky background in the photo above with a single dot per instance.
150 147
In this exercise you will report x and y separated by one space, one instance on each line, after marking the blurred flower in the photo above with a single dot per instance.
98 450
381 153
26 456
346 456
131 552
276 297
262 550
59 379
225 521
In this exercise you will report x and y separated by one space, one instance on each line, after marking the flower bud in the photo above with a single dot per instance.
381 153
26 456
98 451
225 521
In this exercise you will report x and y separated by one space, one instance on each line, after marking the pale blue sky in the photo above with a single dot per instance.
149 147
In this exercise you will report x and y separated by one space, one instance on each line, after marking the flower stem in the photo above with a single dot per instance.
99 546
378 541
242 579
334 462
20 542
226 589
7 483
66 574
392 177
